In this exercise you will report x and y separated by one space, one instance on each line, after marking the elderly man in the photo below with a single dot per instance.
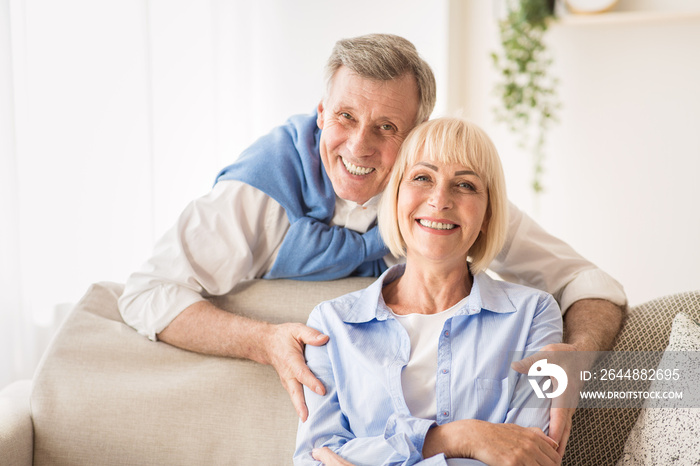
301 203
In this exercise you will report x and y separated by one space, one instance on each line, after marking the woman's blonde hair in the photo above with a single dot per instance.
451 140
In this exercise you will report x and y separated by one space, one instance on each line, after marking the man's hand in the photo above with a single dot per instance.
590 325
285 352
328 457
564 406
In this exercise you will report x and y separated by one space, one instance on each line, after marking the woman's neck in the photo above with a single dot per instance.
428 288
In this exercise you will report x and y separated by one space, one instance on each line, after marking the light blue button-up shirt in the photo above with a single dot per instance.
363 416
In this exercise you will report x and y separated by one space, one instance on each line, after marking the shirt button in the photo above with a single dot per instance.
447 333
445 371
445 413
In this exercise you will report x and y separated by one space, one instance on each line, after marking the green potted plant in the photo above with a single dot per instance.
527 92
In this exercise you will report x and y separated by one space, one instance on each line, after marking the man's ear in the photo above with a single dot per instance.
319 118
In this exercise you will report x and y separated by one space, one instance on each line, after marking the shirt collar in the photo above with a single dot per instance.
372 202
485 295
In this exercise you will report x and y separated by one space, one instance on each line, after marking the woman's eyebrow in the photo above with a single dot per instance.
426 164
467 172
457 173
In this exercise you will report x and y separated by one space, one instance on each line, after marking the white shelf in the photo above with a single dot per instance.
626 17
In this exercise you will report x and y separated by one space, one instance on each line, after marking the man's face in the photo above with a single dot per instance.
364 123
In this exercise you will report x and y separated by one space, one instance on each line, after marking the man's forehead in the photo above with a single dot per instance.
395 98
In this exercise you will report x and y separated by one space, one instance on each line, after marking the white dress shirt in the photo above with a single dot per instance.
234 232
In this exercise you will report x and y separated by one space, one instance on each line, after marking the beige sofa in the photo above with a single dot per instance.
105 395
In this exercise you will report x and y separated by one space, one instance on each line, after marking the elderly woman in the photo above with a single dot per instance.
417 368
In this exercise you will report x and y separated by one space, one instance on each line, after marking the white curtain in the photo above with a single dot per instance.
115 113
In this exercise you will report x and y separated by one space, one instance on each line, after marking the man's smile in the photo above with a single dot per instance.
355 170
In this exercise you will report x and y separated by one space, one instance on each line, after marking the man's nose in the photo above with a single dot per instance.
361 142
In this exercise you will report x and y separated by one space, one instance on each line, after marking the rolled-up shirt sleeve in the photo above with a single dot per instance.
231 234
533 257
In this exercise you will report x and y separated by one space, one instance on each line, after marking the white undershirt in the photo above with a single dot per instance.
419 376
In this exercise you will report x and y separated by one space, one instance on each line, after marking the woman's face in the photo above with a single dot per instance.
441 209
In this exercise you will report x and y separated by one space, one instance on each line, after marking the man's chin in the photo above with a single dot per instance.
358 197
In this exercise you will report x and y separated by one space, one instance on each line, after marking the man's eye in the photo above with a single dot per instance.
387 127
346 115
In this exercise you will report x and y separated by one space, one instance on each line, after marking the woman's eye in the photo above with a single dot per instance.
421 178
467 186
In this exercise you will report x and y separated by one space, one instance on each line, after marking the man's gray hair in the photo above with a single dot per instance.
384 57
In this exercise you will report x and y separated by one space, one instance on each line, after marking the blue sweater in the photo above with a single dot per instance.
286 165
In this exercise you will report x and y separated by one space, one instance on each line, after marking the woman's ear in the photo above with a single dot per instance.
487 218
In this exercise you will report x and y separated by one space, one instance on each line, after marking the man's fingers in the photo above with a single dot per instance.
311 336
288 360
564 438
560 427
559 419
304 375
296 393
523 366
557 422
544 436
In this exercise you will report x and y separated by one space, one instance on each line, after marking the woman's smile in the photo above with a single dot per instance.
438 226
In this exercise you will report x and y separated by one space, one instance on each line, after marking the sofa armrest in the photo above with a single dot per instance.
16 430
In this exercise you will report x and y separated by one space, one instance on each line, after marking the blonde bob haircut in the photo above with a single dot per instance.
450 140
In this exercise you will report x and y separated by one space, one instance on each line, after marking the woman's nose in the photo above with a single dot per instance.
440 198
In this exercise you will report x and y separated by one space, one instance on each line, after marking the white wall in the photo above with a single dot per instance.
123 111
119 112
622 166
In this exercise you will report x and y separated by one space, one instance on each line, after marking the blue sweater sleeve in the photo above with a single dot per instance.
313 250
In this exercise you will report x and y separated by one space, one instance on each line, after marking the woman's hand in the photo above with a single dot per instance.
328 457
495 444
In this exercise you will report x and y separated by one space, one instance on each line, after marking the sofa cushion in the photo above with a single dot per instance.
668 435
103 394
16 433
598 434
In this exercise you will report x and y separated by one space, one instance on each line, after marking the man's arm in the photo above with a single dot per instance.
593 301
533 257
593 324
590 325
204 328
224 237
